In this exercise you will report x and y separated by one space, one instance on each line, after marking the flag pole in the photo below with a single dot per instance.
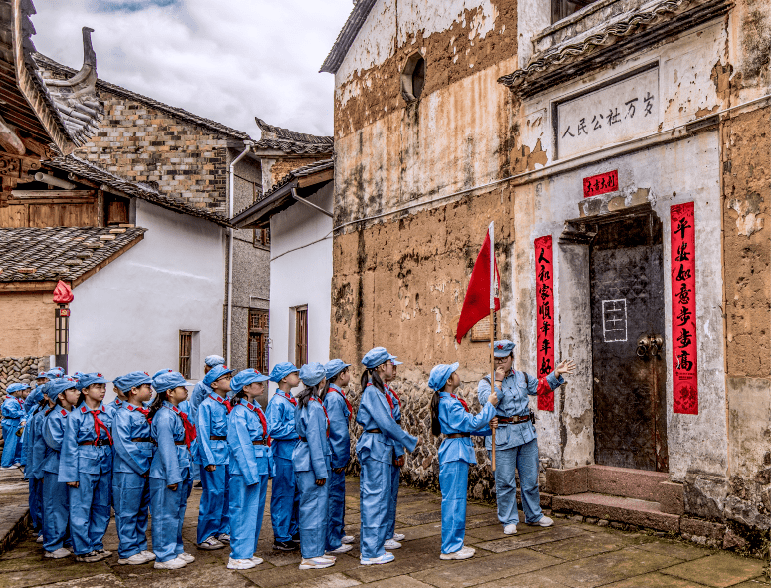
491 229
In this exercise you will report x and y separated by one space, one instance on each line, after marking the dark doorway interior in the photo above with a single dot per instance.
629 369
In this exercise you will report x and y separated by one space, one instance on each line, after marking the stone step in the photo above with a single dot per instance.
633 511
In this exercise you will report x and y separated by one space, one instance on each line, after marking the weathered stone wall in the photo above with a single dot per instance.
19 369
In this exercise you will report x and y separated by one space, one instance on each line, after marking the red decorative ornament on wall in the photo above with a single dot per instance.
63 294
544 294
686 398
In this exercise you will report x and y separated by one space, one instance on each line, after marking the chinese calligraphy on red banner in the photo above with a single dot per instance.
601 184
545 317
686 399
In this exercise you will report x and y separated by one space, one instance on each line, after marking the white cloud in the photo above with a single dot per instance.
225 60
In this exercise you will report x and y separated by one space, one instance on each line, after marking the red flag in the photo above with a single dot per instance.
476 305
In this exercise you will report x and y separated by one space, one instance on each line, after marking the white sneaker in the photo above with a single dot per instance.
59 553
398 536
342 549
545 522
172 564
347 539
328 556
39 538
240 564
211 543
149 555
224 538
133 560
463 553
315 563
186 557
510 529
257 560
383 559
391 544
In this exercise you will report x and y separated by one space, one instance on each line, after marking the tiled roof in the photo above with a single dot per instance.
179 113
89 171
292 141
59 253
300 172
345 39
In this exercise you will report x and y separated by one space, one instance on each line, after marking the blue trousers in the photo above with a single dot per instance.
525 459
375 490
247 509
391 520
36 503
453 480
12 444
335 510
56 515
167 508
284 501
89 511
213 517
313 515
131 501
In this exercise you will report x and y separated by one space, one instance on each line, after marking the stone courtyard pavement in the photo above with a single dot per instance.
572 554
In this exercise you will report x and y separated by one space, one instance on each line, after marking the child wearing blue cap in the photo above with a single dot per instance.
134 448
34 447
212 450
376 453
14 419
86 467
392 537
284 493
450 416
248 443
340 412
56 503
311 465
170 482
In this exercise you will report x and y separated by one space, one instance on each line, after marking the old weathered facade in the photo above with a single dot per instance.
582 135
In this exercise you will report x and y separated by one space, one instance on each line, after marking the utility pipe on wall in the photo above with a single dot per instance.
231 198
54 181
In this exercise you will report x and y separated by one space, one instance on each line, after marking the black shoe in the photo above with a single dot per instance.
284 546
296 540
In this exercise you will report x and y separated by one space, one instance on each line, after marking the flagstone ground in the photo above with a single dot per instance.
571 554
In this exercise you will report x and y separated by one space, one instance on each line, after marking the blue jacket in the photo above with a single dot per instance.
339 434
131 457
246 459
312 455
453 418
281 413
86 459
111 407
375 413
171 461
34 444
200 391
13 409
54 427
396 411
513 401
212 422
34 398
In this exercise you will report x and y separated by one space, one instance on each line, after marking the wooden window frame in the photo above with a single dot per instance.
261 238
185 360
261 332
301 335
560 9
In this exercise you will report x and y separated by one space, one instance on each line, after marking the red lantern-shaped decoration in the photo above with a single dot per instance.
63 294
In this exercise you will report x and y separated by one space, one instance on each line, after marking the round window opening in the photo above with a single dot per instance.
413 77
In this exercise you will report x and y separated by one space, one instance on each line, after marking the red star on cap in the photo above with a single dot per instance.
500 346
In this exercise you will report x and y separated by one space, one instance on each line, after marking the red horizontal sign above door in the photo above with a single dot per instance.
601 184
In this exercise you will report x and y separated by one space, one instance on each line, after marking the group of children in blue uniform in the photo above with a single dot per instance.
140 457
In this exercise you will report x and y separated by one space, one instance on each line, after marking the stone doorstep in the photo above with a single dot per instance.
16 531
633 511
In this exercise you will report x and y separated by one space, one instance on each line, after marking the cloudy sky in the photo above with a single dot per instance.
227 60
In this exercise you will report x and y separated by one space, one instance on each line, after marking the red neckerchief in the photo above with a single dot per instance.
21 402
347 402
98 425
189 427
324 409
222 401
289 397
388 398
395 396
263 422
463 402
145 411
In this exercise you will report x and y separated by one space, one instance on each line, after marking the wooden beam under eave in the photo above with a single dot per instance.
110 259
22 286
26 194
317 178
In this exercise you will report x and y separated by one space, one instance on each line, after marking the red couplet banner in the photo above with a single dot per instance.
544 293
686 398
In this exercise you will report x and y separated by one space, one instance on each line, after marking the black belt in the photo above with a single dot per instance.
303 439
260 442
180 442
458 435
98 443
513 420
373 431
218 438
144 440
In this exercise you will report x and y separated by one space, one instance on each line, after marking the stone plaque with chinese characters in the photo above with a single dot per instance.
611 114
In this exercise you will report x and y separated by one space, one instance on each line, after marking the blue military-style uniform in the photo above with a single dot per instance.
516 443
14 417
311 460
56 503
339 412
34 447
285 495
250 467
396 411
